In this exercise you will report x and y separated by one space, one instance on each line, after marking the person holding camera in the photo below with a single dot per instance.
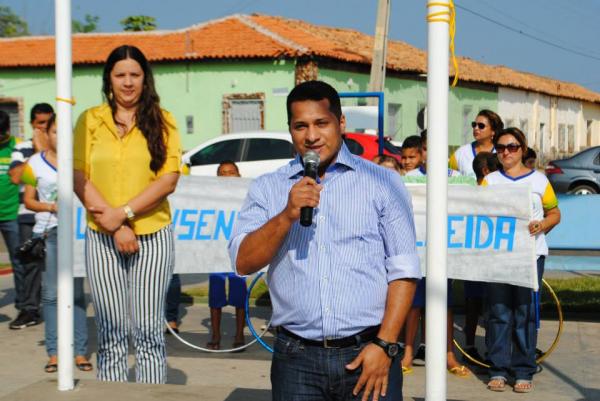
40 179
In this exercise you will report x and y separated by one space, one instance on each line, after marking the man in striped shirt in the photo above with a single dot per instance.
340 288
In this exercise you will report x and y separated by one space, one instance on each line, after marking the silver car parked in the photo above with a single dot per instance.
578 174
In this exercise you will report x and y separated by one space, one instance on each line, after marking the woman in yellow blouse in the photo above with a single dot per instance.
127 157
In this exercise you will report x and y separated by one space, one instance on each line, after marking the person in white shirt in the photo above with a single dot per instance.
511 334
487 124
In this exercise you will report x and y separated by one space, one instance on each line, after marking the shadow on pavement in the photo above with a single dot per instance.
588 394
245 394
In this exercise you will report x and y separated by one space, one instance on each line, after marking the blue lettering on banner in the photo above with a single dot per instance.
80 224
223 226
187 223
480 232
203 224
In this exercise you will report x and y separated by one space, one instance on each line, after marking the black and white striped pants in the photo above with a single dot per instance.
129 292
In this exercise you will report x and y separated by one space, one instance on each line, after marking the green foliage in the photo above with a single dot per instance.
136 23
11 24
90 24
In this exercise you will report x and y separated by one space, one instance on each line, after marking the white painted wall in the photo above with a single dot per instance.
559 116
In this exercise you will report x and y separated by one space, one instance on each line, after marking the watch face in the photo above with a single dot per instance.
393 350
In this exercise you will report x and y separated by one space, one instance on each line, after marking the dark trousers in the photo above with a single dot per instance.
30 275
310 373
511 334
173 299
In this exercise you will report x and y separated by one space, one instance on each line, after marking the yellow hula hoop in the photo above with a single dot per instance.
544 354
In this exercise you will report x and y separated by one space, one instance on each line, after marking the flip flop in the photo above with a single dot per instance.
406 370
523 386
460 371
497 384
214 345
51 367
84 366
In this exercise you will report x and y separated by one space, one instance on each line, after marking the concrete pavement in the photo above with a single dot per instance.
569 374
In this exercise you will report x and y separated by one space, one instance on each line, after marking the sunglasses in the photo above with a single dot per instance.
511 147
478 125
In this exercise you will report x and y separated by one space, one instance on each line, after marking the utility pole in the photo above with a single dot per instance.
378 64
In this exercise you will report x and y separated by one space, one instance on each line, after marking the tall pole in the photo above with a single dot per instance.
437 205
378 64
65 193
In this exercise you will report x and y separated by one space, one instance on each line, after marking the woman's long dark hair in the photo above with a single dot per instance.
148 117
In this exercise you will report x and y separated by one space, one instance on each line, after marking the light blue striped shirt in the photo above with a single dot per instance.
331 279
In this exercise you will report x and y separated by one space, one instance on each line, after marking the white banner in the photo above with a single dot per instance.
488 238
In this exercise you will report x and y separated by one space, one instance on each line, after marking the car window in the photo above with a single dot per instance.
597 159
353 146
268 149
218 152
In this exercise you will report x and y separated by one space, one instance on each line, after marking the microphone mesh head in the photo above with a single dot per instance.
311 157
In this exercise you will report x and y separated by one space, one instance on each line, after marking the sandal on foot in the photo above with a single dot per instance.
460 371
497 384
523 386
51 367
406 370
213 345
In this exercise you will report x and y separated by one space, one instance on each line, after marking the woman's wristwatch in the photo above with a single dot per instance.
128 212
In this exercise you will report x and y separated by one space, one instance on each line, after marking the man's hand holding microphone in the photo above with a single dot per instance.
305 194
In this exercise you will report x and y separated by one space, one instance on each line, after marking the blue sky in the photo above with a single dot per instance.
565 24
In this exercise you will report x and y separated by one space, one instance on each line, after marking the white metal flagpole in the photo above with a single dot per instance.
437 201
64 105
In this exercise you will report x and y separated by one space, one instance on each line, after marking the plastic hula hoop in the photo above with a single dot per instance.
249 323
544 355
257 337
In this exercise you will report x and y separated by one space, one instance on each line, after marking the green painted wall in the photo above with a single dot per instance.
194 89
411 95
197 88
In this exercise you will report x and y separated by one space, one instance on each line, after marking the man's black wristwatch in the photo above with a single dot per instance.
391 349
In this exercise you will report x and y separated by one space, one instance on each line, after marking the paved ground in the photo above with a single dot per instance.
570 374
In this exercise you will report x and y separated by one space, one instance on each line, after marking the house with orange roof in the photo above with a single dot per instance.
233 74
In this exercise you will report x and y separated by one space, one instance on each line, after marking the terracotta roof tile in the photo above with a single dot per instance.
262 36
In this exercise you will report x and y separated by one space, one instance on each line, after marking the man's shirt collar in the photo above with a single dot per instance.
344 159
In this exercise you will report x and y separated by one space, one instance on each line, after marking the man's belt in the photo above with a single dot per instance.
364 336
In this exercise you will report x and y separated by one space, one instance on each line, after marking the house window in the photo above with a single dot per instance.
524 125
394 120
542 134
510 122
243 112
570 138
562 138
467 131
588 132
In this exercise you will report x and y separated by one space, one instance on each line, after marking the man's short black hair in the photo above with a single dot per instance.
412 142
40 108
4 122
315 90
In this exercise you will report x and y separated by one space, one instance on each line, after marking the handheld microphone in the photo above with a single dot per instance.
311 166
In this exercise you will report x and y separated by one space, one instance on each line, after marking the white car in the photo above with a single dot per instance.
255 153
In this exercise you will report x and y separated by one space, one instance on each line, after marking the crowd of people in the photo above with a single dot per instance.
127 160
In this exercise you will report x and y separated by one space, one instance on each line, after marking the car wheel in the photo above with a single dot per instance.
583 190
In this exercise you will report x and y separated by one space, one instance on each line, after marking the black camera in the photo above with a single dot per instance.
32 250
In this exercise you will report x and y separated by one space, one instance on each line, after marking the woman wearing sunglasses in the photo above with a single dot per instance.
486 125
511 334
